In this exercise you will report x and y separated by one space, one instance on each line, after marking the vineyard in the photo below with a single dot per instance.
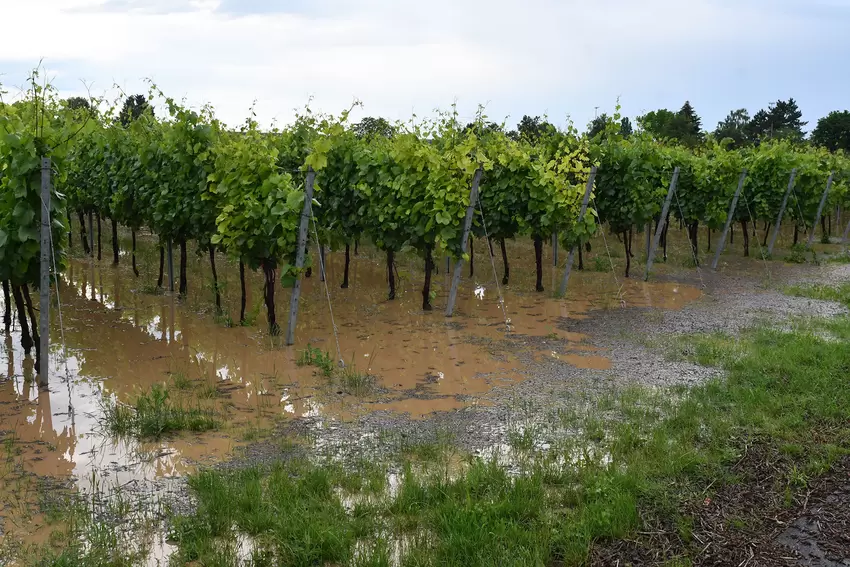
200 216
188 179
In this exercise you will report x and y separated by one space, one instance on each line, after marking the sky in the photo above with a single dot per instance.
564 59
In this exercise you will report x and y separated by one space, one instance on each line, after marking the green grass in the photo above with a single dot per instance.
315 357
153 415
839 293
355 382
782 389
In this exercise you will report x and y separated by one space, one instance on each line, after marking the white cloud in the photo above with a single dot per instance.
397 56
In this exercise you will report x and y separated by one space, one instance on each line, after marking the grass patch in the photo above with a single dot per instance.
840 293
153 415
355 382
785 390
179 381
315 357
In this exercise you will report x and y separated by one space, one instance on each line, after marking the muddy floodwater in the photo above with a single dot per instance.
118 338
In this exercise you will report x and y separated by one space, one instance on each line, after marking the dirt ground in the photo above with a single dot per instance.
464 377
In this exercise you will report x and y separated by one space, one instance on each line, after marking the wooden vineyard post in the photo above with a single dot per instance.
555 249
170 259
299 256
722 242
775 234
467 223
571 256
662 221
820 209
44 291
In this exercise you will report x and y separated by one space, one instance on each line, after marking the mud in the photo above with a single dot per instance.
507 353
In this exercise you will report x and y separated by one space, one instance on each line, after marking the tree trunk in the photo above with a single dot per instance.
33 325
580 259
7 307
490 244
309 272
766 233
391 273
215 280
322 263
83 235
70 229
347 264
426 289
356 246
731 234
471 256
99 240
693 230
268 289
823 231
631 235
708 240
829 227
507 276
243 299
628 253
114 242
538 258
796 233
20 307
133 237
161 265
746 238
664 234
183 262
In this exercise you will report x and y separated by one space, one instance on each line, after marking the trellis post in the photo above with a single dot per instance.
820 208
467 224
721 244
571 256
662 221
44 291
775 234
299 256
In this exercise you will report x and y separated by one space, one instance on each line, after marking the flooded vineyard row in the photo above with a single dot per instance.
118 339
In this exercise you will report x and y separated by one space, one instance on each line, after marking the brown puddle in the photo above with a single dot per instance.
121 341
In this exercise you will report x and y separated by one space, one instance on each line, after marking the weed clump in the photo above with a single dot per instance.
153 415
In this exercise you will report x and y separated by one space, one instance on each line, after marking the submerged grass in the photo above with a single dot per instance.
783 389
153 414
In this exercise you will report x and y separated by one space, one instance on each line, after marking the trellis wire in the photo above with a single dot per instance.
690 240
493 263
61 322
328 293
758 241
610 260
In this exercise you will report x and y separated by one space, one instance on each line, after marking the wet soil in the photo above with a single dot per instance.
466 377
751 522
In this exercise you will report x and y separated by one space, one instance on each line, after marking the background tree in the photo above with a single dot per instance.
134 107
689 125
735 127
626 129
370 126
684 126
531 129
78 103
659 123
597 125
833 131
781 120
